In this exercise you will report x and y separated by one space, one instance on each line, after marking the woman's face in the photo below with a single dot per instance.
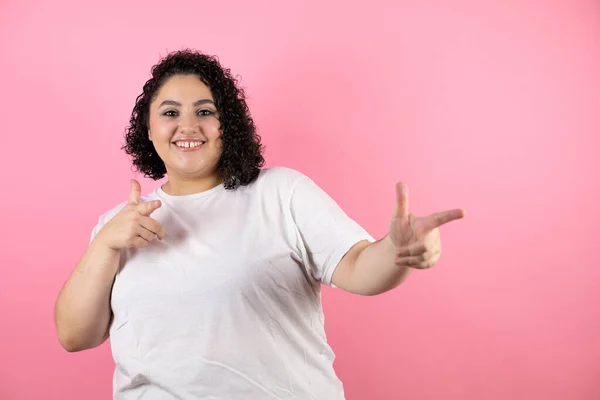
184 128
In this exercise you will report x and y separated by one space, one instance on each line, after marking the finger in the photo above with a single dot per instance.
412 250
149 207
425 264
401 200
438 219
136 192
139 241
415 262
153 226
433 258
409 261
145 233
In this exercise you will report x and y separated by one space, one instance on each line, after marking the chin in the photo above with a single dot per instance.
195 172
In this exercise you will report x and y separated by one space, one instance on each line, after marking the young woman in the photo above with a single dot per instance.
209 286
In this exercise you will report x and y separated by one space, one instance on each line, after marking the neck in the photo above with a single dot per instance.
181 186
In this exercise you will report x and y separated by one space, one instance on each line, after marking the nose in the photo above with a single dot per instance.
188 125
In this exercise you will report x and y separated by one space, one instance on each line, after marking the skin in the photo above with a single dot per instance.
412 243
184 110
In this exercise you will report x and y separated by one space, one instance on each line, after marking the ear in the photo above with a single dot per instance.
149 135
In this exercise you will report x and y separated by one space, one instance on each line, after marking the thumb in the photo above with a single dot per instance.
401 200
149 207
136 192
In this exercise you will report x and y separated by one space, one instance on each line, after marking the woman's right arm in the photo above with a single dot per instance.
82 312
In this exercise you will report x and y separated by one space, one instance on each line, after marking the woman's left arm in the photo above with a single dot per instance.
412 243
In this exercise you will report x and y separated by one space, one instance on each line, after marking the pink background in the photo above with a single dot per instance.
494 108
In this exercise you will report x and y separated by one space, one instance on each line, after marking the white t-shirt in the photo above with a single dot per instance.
228 305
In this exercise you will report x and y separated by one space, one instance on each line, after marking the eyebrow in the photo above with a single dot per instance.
175 103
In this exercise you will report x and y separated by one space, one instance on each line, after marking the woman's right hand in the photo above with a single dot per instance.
132 227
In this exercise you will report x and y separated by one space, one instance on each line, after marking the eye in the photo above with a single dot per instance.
170 113
205 113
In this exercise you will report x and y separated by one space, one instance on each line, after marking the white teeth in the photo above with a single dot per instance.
188 144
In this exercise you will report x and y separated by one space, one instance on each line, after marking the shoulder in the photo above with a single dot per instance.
278 184
109 213
290 186
280 177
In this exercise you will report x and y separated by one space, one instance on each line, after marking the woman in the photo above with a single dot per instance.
209 287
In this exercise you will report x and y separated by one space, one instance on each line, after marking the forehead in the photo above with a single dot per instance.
184 88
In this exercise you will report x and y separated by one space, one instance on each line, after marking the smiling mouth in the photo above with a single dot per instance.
189 144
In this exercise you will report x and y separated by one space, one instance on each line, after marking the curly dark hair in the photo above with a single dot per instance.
242 156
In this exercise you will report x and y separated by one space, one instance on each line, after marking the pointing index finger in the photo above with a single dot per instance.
149 207
438 219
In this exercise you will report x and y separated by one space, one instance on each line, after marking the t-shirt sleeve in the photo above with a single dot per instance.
326 231
104 218
97 228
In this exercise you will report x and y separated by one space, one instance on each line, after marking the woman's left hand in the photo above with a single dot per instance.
417 239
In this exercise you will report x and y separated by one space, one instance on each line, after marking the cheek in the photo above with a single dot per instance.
215 134
160 131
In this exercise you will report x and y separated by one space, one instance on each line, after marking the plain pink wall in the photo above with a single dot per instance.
494 108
